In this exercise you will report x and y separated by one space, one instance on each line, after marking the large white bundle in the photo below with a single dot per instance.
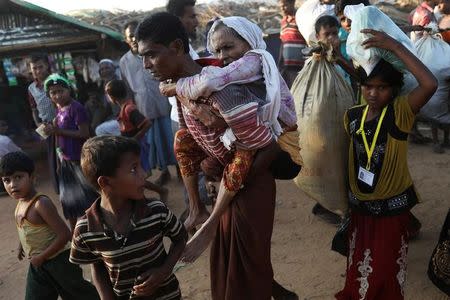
435 54
307 15
321 97
371 17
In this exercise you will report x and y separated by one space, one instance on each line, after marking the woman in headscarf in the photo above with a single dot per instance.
239 44
108 71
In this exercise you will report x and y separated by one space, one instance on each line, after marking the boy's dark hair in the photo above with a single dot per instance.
38 57
116 89
162 28
101 156
387 73
16 162
326 21
132 23
341 4
289 1
176 7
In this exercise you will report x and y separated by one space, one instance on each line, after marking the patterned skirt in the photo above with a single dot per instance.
376 262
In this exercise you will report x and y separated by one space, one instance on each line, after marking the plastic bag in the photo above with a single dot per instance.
321 98
307 15
435 54
371 17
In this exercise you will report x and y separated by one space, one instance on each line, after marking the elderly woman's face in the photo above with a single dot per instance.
227 46
106 71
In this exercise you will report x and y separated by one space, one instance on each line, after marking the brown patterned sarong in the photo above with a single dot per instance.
191 159
240 254
188 153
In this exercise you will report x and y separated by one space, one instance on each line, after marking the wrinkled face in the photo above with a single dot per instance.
190 21
227 46
106 71
287 7
130 38
18 185
39 70
130 177
377 93
327 33
59 95
161 61
346 23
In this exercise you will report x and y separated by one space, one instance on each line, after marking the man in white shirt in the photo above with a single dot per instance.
153 105
185 11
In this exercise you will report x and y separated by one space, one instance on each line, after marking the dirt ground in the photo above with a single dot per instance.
301 255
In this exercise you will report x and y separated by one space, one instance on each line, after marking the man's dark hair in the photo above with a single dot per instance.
116 89
15 162
101 156
162 28
326 21
176 7
341 4
132 23
39 57
385 72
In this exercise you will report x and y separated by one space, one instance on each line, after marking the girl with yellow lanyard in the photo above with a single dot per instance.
381 189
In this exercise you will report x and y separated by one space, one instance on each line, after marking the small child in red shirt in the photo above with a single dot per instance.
133 124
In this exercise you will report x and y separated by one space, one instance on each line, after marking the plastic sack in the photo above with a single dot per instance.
435 54
371 17
321 98
307 15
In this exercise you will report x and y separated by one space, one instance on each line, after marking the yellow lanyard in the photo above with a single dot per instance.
375 137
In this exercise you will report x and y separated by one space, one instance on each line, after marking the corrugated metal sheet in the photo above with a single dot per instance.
66 19
16 29
26 26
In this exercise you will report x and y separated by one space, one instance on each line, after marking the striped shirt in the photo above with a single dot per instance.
293 42
239 108
126 257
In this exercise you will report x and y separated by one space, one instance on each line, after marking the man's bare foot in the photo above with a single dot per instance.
193 220
199 242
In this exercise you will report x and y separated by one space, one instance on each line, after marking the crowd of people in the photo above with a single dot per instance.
229 119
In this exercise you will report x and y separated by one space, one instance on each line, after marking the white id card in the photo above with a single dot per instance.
365 176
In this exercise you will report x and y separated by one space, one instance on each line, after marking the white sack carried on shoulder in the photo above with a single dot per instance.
321 97
371 17
307 15
435 54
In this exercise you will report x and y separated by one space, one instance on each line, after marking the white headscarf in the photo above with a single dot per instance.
251 32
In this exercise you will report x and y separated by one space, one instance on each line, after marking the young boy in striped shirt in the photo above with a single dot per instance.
121 234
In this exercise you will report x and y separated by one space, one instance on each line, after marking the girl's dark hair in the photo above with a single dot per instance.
16 162
117 89
101 155
162 28
385 72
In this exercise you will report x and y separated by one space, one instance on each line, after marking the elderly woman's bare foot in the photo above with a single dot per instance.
195 219
199 242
